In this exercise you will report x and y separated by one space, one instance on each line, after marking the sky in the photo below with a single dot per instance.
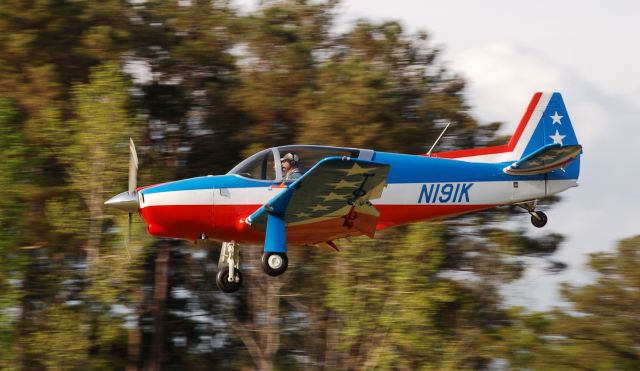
508 50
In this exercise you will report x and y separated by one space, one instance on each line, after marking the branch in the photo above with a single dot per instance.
245 336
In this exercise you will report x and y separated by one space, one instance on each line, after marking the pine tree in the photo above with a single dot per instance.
598 330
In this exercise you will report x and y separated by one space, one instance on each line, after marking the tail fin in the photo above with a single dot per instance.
545 122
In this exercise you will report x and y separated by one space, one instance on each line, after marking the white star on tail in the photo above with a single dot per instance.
556 118
557 138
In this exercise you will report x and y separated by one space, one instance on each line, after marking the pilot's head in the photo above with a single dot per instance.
289 161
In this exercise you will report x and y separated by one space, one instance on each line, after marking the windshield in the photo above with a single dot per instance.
259 166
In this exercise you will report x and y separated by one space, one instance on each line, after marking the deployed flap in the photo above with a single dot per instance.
335 188
544 160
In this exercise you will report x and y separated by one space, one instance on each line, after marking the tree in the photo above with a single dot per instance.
188 49
98 135
12 152
279 63
381 88
597 330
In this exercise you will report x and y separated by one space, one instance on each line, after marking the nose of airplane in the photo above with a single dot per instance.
125 202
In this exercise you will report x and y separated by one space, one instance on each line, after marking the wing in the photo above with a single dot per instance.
544 160
333 197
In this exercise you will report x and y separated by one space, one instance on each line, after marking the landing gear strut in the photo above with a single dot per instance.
274 263
538 218
229 278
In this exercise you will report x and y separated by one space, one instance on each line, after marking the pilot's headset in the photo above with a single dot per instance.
293 158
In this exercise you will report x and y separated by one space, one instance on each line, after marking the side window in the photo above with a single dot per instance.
309 156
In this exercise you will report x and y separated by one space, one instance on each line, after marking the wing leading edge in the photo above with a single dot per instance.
335 188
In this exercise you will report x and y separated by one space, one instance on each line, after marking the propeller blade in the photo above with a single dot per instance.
133 168
127 240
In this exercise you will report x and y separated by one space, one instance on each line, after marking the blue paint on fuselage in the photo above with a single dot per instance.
422 169
404 169
208 182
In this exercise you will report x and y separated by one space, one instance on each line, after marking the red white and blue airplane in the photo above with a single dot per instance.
346 192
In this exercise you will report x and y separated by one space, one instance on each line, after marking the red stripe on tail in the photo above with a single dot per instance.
496 149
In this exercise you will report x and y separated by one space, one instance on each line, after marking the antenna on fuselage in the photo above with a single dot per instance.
437 140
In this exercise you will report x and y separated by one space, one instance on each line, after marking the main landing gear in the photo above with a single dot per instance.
229 278
274 263
538 218
274 258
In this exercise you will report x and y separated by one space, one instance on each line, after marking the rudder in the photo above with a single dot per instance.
553 127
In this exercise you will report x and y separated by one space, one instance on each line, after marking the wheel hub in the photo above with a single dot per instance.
275 261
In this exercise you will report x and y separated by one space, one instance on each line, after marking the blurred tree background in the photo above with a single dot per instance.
199 86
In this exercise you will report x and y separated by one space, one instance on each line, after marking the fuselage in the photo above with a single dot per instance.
418 188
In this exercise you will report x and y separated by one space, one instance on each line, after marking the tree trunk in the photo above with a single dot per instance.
21 327
96 213
330 351
159 306
135 338
261 336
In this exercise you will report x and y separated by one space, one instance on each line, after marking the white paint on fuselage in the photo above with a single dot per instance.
187 197
246 196
479 193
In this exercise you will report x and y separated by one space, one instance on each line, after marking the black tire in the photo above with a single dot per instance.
540 221
274 263
222 280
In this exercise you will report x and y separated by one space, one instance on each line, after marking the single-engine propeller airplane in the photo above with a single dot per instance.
342 192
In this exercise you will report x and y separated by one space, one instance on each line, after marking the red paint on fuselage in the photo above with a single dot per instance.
178 221
394 215
226 222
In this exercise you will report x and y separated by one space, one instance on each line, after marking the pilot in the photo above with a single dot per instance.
290 169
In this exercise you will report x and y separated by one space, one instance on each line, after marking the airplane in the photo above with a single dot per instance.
346 192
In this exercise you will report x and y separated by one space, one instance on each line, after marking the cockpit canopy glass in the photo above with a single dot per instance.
309 156
261 165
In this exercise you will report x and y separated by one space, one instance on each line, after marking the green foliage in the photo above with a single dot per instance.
62 342
12 167
383 89
603 332
68 218
598 331
100 133
395 307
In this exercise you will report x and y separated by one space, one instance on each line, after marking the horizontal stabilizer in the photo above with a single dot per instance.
544 160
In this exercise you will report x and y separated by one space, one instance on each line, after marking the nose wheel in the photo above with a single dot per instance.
274 263
226 282
229 278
